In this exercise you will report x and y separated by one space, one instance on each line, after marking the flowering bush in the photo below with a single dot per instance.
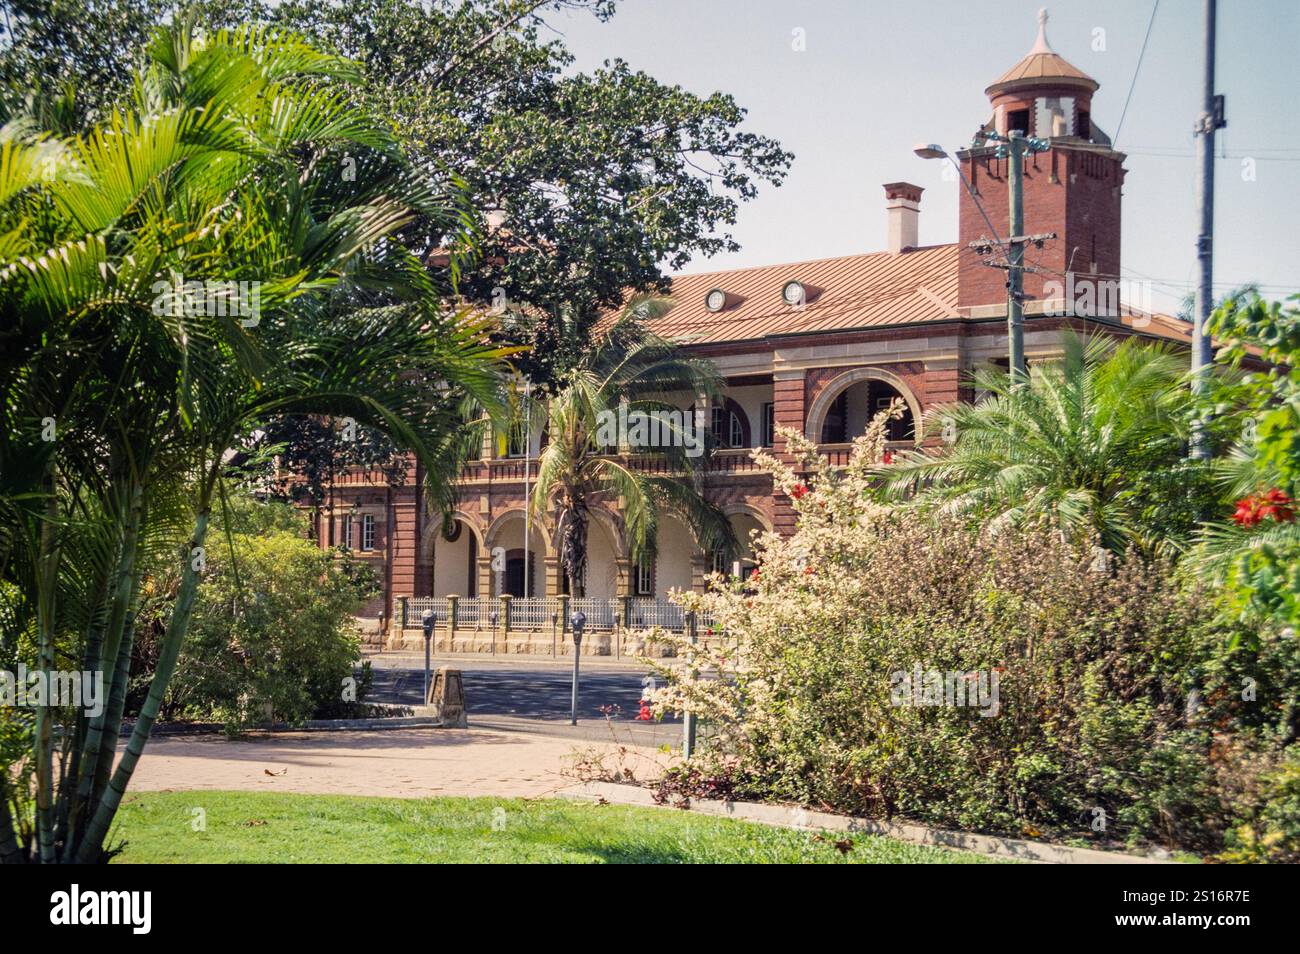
1256 555
1020 681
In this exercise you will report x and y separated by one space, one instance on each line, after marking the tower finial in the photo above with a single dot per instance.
1041 45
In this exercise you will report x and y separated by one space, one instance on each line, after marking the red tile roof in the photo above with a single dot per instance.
846 293
849 293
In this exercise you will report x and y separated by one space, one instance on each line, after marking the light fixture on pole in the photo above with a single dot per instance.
1208 123
528 509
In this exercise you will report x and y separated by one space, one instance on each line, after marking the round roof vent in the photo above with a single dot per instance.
715 300
794 293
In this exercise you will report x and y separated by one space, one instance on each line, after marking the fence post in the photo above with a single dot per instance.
564 614
452 603
505 619
405 615
688 718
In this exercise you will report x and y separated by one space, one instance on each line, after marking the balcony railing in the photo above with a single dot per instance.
837 455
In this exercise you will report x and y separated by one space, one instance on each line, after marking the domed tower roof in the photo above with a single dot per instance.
1041 66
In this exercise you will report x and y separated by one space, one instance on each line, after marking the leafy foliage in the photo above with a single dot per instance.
584 185
1125 711
1257 554
131 388
1095 442
273 634
631 368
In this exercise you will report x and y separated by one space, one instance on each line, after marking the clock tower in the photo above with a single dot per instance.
1072 189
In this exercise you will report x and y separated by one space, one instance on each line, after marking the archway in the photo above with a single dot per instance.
454 554
507 534
674 550
848 403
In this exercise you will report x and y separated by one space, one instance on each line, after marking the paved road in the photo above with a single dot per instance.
535 690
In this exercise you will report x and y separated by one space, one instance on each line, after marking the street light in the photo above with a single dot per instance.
578 620
430 619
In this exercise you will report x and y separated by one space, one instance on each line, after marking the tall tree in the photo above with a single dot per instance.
586 184
590 457
136 364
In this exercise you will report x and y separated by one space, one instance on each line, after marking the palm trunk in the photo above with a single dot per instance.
100 743
48 576
113 709
177 627
10 851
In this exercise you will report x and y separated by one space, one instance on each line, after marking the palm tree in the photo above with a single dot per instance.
626 365
1094 442
124 396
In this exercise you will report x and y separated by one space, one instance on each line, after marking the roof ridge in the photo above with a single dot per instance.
812 261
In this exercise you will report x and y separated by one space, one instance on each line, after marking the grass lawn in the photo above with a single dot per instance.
158 827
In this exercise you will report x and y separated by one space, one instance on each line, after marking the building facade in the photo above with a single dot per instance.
815 346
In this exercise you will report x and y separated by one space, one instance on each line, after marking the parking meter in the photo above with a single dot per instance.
578 621
430 619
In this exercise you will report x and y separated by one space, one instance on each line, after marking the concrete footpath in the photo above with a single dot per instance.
507 759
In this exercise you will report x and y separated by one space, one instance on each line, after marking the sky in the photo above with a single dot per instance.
874 78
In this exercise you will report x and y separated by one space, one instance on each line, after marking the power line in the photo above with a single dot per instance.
1137 69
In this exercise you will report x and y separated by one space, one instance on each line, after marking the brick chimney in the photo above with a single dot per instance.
903 208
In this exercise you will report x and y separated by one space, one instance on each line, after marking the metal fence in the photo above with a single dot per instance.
476 612
602 613
536 612
643 612
416 606
546 612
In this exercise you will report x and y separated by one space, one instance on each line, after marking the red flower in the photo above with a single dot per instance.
644 715
754 576
1278 506
1245 515
798 491
1275 504
888 457
808 571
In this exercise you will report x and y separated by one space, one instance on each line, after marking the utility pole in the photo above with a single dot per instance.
1210 121
1013 147
1016 257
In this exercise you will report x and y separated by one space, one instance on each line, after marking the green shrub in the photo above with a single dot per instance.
273 634
1122 714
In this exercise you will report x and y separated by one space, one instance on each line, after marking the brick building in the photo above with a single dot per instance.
817 346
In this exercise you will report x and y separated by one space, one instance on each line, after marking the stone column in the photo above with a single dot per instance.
626 581
701 567
554 581
789 410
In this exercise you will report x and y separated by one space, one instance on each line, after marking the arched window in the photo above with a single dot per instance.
728 424
853 408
